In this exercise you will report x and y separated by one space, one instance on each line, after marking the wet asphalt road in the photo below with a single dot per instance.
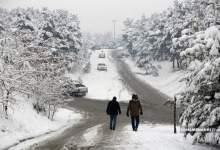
94 113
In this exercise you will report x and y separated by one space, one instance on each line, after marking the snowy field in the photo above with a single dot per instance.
103 85
24 123
168 81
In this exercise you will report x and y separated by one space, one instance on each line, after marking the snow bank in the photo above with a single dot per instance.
103 85
155 137
24 122
168 81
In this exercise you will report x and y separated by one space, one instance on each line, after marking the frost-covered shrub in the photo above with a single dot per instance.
87 68
39 108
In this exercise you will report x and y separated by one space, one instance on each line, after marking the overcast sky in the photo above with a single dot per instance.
96 15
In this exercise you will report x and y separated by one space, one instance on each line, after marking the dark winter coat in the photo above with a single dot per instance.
135 108
113 108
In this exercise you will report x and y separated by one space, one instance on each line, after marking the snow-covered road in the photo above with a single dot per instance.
149 137
155 132
103 85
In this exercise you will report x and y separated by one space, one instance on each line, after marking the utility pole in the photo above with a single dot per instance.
114 23
174 115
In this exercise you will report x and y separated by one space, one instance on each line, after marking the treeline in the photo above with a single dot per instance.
37 47
97 41
159 36
188 34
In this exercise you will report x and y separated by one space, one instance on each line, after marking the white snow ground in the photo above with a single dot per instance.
91 136
148 137
24 122
168 81
103 85
156 137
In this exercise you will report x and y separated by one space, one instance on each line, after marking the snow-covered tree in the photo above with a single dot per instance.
201 98
36 48
188 34
160 36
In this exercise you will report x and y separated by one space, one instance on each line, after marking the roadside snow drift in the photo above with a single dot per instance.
168 82
24 123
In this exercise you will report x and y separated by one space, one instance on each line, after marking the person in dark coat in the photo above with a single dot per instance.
113 109
134 110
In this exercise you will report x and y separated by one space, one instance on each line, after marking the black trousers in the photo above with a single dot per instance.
135 122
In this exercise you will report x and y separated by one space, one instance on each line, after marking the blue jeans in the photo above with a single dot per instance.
113 119
135 122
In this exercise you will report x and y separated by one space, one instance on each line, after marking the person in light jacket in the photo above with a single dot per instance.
134 109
